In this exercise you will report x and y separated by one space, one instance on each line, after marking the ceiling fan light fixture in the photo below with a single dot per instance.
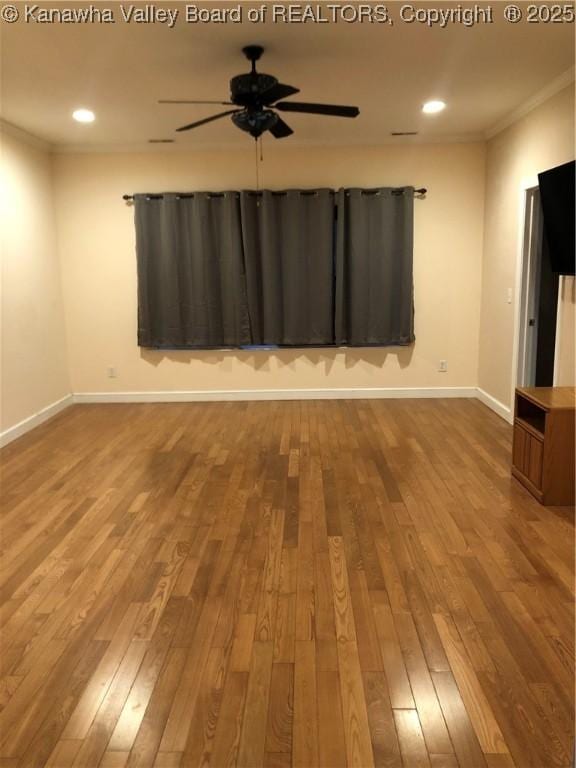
83 115
433 107
255 123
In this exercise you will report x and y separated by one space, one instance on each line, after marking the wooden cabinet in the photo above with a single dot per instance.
543 445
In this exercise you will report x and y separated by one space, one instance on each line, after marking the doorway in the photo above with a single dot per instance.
538 302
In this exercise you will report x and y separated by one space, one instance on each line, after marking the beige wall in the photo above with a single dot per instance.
96 234
565 343
34 365
462 314
542 139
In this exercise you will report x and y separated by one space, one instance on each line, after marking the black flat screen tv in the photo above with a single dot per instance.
558 203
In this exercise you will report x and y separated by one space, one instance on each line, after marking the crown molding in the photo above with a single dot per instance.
27 138
140 148
554 87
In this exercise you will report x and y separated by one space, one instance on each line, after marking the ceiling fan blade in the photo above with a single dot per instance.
335 110
208 120
280 129
277 92
187 101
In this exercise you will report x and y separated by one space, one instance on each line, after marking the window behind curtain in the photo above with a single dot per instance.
243 269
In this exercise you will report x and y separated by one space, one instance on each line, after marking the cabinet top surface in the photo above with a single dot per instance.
550 397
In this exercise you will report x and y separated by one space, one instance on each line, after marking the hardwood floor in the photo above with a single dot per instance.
281 584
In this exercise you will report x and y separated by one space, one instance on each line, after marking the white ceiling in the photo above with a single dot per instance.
120 71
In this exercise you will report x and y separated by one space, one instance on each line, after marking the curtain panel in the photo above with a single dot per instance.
191 281
289 256
374 263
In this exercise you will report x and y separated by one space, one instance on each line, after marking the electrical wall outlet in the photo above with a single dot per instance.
443 366
112 372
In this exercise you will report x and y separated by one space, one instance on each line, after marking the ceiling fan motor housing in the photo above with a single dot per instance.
248 90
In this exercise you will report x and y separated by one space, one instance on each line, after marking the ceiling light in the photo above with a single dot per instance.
432 107
83 116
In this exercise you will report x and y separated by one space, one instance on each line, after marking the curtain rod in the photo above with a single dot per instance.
417 193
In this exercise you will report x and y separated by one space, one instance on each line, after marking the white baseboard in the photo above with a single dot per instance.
193 396
495 405
35 420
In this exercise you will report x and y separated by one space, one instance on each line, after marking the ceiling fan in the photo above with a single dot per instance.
255 96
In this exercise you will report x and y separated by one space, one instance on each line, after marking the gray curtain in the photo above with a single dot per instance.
191 282
374 288
289 253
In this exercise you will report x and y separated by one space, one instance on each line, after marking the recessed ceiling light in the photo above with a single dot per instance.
432 107
83 116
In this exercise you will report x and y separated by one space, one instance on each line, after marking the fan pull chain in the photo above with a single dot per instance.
257 168
259 157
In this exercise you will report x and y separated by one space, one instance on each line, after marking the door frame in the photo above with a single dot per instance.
529 287
527 185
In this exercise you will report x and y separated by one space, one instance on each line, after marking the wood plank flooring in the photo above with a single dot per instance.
352 583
